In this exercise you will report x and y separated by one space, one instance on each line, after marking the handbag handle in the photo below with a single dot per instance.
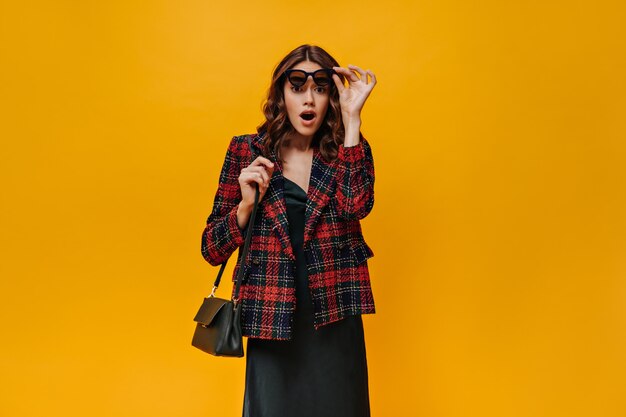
246 245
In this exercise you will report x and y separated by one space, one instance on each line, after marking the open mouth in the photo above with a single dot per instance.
308 115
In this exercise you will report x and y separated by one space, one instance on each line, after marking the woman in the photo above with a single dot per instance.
306 281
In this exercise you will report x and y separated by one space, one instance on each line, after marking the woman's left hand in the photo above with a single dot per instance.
352 98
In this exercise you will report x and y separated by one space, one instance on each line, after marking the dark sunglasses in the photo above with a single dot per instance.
322 77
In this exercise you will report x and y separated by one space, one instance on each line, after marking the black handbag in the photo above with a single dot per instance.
218 321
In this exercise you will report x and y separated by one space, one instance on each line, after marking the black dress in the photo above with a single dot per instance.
319 372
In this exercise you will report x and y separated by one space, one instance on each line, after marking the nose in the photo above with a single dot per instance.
308 95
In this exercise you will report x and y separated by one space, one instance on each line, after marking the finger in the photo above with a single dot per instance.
261 171
372 76
350 76
338 83
261 160
265 175
253 177
361 72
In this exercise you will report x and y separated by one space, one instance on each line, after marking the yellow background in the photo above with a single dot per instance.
499 226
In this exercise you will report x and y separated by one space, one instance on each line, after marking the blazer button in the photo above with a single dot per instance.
256 261
343 245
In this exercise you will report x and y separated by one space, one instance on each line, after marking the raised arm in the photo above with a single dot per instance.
355 180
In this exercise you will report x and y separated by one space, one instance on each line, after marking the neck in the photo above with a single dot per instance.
299 142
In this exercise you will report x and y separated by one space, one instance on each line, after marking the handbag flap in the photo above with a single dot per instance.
209 309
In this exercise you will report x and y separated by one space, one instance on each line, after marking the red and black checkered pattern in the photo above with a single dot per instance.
340 194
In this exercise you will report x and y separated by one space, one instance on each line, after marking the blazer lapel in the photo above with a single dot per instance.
322 186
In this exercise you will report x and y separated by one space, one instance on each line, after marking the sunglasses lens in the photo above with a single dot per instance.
297 78
322 78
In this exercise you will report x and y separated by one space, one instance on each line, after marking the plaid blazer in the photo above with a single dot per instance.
340 194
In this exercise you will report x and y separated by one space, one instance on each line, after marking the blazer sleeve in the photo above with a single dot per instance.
222 234
355 180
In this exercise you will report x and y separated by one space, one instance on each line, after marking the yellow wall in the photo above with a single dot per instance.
499 226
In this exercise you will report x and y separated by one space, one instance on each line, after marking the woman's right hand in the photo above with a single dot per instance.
258 172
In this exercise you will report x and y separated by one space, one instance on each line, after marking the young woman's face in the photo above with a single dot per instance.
310 98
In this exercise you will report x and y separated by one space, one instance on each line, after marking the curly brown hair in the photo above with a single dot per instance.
277 125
